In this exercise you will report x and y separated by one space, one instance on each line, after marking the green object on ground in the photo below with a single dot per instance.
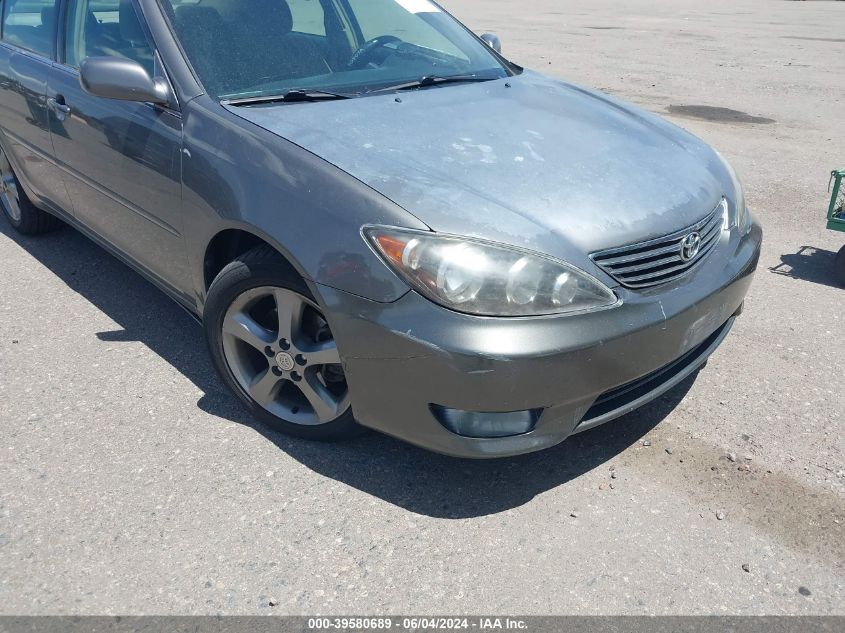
836 220
836 211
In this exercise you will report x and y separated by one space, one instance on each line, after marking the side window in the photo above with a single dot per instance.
307 17
30 24
106 28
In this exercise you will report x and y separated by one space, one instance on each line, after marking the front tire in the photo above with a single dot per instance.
272 346
24 216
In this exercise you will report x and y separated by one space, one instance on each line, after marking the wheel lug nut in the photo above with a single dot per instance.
276 371
295 376
269 351
300 359
284 344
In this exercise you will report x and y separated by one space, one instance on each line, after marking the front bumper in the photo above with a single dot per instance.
582 370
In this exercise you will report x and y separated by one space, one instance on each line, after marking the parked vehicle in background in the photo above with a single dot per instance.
379 219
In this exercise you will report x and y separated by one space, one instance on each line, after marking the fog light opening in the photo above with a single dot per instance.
486 424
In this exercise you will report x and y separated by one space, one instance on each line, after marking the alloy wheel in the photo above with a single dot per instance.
279 348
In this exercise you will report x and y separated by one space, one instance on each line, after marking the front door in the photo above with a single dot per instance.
122 159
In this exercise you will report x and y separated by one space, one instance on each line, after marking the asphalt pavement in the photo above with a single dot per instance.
132 483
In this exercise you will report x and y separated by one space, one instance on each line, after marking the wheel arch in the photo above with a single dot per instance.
23 178
230 243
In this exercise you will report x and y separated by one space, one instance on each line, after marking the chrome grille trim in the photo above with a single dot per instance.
659 260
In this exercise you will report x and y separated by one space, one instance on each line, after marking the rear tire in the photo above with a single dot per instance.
24 216
839 267
272 347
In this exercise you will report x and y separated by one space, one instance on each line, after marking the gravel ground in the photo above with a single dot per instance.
130 482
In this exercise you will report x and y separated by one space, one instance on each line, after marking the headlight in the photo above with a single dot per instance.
740 219
486 279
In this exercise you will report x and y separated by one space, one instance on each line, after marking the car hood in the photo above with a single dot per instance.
528 160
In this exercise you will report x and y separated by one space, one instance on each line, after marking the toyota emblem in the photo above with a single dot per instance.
690 246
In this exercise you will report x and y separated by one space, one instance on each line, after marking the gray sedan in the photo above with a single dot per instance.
380 221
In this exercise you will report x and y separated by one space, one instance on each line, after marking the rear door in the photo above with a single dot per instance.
122 159
27 43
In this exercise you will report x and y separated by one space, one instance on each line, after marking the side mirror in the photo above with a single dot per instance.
492 41
121 78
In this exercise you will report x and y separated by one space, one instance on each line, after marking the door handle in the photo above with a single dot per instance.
58 106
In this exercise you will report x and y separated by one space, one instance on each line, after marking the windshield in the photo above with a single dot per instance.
252 48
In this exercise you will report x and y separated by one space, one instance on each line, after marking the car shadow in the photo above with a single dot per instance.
451 488
808 264
403 475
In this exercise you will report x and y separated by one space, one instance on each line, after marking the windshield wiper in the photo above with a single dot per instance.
434 80
296 95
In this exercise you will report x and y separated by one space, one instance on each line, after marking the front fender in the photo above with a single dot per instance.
238 176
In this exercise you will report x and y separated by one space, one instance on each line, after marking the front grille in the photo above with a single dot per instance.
663 259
